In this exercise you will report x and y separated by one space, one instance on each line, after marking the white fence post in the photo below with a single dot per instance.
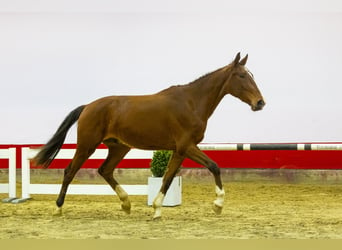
25 174
9 187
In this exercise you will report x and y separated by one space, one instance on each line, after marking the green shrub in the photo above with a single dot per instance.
159 162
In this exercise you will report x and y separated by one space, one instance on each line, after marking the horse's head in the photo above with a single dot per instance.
241 84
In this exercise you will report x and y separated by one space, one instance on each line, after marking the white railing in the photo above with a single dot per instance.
10 187
78 189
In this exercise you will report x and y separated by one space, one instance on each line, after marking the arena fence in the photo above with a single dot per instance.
100 154
10 187
76 189
272 146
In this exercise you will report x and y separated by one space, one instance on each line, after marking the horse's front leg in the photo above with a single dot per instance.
218 203
173 165
195 154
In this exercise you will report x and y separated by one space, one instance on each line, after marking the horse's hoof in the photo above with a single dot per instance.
217 209
127 211
126 207
156 218
57 212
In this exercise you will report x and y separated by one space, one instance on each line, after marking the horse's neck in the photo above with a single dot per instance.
206 93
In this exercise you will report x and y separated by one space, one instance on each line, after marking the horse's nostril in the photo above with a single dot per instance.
260 103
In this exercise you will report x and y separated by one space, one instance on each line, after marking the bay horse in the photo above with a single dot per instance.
172 119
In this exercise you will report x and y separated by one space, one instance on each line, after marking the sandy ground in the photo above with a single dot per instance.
253 210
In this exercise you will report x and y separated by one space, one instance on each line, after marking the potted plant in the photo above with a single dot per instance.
158 167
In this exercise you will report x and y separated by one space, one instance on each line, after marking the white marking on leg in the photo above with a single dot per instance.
121 192
57 212
157 204
218 203
123 196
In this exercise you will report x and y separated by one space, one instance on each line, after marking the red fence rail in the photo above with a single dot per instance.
259 155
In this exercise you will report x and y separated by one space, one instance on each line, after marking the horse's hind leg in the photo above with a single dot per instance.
80 157
115 154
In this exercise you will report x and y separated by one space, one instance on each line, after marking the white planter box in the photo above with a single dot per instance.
173 195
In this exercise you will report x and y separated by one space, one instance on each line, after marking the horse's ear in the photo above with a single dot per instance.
237 59
244 60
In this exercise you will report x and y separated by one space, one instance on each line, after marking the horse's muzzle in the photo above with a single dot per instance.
259 105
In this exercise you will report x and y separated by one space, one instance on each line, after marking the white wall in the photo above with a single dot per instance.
57 55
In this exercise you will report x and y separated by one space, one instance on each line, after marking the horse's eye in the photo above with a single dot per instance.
242 75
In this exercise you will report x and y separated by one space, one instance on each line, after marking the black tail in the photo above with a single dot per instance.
49 151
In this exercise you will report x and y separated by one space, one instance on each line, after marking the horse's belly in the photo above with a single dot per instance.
152 138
